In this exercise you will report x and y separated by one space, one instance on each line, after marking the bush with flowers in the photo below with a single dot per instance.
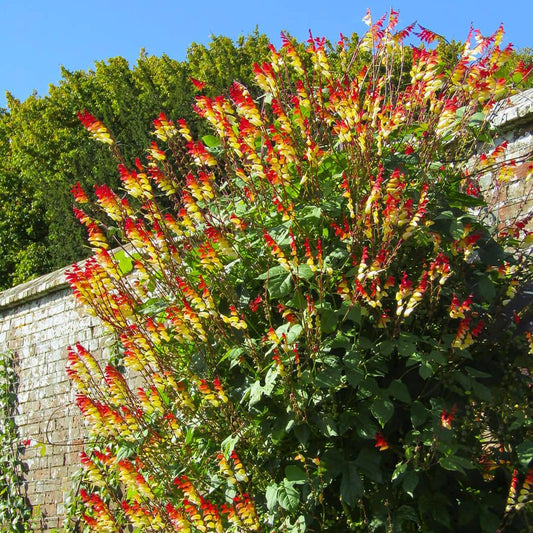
317 331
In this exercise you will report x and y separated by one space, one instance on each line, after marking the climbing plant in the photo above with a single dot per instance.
318 332
15 510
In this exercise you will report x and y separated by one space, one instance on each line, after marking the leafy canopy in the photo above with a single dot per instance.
44 152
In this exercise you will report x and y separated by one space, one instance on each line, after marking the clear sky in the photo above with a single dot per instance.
37 36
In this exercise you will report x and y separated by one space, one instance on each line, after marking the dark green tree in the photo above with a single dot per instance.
45 151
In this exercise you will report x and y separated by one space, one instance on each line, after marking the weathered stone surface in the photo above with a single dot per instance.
515 110
38 321
513 121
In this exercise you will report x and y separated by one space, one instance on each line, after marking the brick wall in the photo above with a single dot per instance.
39 319
514 123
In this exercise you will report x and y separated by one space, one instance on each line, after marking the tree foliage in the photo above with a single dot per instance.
320 324
45 151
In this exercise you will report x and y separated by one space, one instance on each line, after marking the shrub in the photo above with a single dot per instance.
319 322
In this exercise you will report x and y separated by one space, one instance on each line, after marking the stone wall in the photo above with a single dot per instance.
514 123
39 319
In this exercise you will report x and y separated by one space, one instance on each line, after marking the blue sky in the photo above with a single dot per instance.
37 37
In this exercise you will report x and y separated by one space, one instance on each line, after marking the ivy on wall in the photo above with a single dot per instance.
15 510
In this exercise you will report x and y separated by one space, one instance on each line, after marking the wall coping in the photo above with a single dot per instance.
34 289
513 111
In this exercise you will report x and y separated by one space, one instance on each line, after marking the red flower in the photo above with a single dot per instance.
381 443
197 83
79 194
478 329
89 520
446 418
426 35
254 306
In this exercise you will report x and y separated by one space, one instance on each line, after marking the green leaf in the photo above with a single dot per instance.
228 444
306 111
256 391
386 347
369 386
273 272
153 306
295 473
270 380
399 390
125 262
234 355
352 361
477 373
456 229
288 496
293 333
351 484
438 357
399 471
327 425
369 463
407 345
490 252
410 482
271 495
332 463
477 119
328 377
525 452
346 421
297 527
125 451
302 433
486 288
211 141
419 414
341 341
189 435
383 410
365 343
517 78
425 370
460 200
354 375
304 272
481 391
455 463
311 214
520 420
489 520
403 514
279 287
328 321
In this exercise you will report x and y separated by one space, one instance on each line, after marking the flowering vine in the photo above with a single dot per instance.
302 302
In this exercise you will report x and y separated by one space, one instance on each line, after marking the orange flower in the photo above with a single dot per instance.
95 127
